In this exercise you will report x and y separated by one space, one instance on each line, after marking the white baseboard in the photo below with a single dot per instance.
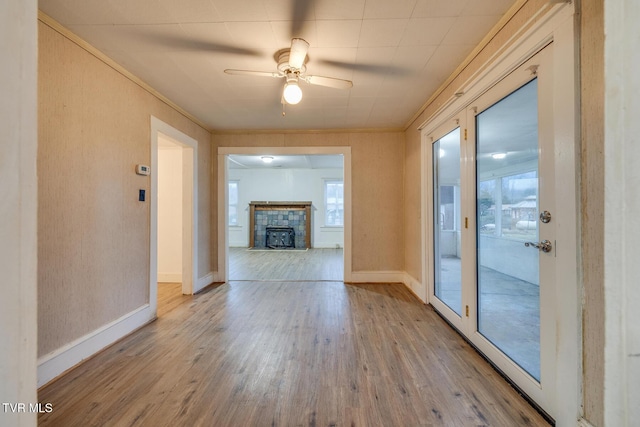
377 276
205 281
61 360
584 423
328 245
170 277
415 287
391 277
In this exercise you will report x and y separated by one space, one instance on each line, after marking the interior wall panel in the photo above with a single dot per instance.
93 254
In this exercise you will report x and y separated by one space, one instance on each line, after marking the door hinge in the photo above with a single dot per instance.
466 310
466 222
465 134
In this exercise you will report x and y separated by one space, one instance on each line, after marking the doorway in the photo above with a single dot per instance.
500 208
286 217
227 181
173 212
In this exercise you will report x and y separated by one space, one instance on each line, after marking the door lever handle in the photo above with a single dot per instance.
544 246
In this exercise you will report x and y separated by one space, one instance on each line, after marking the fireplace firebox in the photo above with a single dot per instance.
280 237
290 215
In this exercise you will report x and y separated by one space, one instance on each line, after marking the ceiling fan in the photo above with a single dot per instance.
292 68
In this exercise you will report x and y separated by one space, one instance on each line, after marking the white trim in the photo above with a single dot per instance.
217 277
377 277
190 209
66 357
204 281
584 423
19 209
415 286
170 277
223 240
620 251
327 245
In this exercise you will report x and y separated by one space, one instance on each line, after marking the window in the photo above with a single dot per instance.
233 203
333 203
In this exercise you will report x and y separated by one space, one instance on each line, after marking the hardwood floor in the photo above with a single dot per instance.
311 264
170 296
287 354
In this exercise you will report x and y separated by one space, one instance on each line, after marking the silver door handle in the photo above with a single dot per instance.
544 246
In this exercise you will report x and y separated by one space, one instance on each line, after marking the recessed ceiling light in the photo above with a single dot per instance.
267 159
499 156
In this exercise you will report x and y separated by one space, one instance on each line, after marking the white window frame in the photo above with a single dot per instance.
325 183
237 184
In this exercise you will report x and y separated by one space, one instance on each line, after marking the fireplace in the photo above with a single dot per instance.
268 220
280 237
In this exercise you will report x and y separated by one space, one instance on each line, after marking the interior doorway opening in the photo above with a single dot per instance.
173 236
305 174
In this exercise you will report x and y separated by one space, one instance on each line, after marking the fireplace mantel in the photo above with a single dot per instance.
276 206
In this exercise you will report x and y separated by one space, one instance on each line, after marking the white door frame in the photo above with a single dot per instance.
223 196
189 209
554 23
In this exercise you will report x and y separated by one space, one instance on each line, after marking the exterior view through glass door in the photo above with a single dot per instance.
493 254
508 292
446 221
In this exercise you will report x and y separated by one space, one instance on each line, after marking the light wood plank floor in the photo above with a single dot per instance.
289 354
312 264
170 296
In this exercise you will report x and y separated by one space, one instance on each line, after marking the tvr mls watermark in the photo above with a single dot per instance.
40 408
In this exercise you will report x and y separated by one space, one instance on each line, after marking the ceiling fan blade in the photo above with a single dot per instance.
298 53
252 73
186 43
301 13
367 68
328 82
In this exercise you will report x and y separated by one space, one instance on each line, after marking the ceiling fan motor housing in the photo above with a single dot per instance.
285 68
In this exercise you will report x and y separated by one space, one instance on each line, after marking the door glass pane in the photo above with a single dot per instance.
446 218
507 213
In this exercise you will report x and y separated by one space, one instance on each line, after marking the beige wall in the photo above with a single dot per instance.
93 246
592 201
377 161
412 200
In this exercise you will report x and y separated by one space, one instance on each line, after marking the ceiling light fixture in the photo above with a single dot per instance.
499 156
292 93
267 159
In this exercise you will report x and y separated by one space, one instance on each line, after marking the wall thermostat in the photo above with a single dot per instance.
143 170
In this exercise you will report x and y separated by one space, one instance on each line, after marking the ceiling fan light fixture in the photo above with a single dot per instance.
292 93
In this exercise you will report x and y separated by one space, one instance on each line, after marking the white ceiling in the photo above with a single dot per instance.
396 52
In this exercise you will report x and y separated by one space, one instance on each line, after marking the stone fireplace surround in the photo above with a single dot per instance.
286 213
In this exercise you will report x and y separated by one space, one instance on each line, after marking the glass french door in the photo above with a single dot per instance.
447 221
493 254
508 276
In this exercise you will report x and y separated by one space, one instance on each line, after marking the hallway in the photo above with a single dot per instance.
290 353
